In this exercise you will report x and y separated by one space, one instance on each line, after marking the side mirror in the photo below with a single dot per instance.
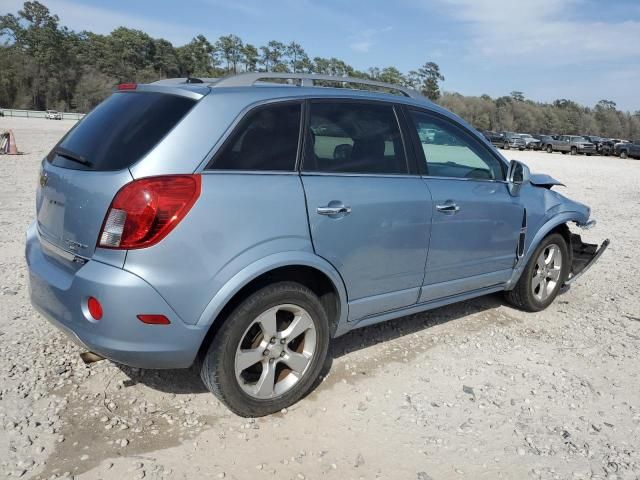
518 174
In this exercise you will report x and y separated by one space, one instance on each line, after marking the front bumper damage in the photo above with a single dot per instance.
583 255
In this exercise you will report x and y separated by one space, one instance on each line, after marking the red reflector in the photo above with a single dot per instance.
144 211
127 86
154 319
95 309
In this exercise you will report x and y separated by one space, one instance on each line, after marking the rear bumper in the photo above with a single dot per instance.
59 289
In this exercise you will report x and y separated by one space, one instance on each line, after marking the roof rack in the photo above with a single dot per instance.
307 80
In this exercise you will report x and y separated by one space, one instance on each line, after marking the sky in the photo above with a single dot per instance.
584 50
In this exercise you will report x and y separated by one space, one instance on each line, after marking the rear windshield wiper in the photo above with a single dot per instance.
69 155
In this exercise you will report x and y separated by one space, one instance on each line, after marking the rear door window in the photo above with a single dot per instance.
360 137
120 131
266 139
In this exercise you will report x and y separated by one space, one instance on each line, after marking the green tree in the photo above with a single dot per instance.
231 51
271 56
430 78
197 58
250 57
298 58
517 96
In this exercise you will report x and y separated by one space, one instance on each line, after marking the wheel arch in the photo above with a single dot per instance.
556 224
304 267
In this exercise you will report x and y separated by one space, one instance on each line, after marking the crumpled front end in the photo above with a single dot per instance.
583 255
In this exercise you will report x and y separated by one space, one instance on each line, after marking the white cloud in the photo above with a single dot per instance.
550 29
363 41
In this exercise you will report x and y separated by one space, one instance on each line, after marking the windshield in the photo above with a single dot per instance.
120 131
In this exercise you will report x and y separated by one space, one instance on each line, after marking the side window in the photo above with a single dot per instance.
266 139
354 138
451 152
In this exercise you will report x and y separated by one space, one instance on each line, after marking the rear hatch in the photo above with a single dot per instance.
84 171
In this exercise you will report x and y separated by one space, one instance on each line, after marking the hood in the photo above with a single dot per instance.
544 180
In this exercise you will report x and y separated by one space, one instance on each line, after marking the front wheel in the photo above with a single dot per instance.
624 154
269 352
506 146
574 151
549 149
543 276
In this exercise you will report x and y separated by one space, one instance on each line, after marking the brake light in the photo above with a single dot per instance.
94 307
144 211
154 319
127 86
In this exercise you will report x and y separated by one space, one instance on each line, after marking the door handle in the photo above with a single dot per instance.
337 210
448 208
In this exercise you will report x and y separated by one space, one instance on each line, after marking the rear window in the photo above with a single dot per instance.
120 131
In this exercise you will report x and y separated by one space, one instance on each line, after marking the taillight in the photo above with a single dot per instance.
144 211
127 86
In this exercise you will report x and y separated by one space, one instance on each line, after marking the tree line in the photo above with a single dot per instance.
45 65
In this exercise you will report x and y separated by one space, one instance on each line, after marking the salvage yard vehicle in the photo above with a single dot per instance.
627 149
597 141
573 144
546 142
241 224
530 141
512 140
495 138
53 115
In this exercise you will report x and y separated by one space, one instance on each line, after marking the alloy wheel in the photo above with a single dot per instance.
275 351
547 271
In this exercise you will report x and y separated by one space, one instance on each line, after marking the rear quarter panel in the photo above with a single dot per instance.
238 219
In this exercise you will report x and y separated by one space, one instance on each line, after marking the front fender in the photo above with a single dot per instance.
264 265
579 217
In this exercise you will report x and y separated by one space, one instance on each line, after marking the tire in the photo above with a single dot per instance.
549 149
574 151
506 146
528 294
624 154
218 367
564 153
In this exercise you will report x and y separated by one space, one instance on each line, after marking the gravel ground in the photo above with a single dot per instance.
474 390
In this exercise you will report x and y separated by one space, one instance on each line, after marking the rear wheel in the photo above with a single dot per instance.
543 276
269 351
624 154
549 149
506 146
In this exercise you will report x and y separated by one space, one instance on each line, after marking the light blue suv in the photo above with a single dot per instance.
243 222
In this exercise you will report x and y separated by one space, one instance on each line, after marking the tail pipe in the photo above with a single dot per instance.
90 357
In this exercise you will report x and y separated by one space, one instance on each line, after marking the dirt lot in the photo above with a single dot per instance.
476 390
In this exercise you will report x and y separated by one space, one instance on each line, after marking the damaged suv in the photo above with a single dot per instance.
241 223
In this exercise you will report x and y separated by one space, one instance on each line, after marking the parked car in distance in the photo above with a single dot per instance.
546 142
597 141
240 226
496 138
512 140
627 149
530 141
53 115
573 144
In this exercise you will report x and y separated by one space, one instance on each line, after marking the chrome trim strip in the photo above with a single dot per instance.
60 252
